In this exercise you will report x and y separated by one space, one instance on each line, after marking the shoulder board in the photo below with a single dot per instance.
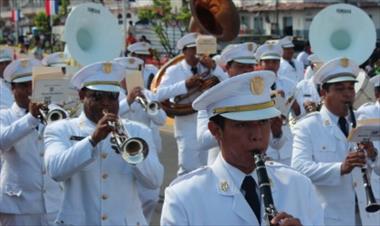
309 115
274 164
189 175
367 104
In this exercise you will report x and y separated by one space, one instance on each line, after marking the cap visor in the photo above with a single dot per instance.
246 61
288 46
255 115
342 79
190 45
105 88
270 58
5 60
22 79
142 52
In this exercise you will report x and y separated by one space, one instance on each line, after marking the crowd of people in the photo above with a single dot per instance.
267 105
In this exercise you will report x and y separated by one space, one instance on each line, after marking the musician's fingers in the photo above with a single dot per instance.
279 217
290 222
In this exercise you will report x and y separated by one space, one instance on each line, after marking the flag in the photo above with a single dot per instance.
15 15
51 7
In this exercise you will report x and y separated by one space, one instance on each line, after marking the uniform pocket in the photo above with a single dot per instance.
13 190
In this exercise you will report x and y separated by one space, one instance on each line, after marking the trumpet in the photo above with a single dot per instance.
264 187
133 150
372 206
52 113
151 107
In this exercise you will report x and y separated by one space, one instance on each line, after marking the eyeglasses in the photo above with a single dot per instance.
100 95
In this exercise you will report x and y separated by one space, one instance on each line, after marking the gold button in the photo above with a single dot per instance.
104 197
104 176
104 217
104 155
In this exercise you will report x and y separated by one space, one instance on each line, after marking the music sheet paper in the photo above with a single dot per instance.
133 78
366 130
50 85
206 44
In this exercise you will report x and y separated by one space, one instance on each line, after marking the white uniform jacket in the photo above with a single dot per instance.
370 111
99 186
25 188
319 149
306 91
287 71
210 196
6 96
148 74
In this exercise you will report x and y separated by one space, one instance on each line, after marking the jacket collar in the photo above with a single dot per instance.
329 121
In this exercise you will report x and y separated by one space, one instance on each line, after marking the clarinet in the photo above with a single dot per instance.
264 187
372 206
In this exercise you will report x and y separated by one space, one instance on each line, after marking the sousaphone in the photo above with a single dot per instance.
342 30
92 34
219 18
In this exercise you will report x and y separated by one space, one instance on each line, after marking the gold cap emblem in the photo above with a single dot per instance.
224 186
257 85
344 62
250 46
24 63
107 68
131 60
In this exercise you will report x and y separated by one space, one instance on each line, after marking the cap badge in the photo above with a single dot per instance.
107 68
344 62
257 85
326 122
270 46
24 63
224 186
131 60
61 55
250 46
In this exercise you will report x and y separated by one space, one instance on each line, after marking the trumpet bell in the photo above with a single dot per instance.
342 30
92 34
134 150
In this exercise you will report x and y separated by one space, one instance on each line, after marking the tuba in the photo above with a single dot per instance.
92 34
334 32
219 18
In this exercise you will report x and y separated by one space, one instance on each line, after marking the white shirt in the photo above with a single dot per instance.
6 95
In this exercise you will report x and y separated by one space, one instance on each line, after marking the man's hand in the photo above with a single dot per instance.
103 128
208 62
194 81
136 91
353 159
284 219
369 148
276 127
34 109
310 106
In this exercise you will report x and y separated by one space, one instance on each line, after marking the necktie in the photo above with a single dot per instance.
194 70
273 87
342 122
249 186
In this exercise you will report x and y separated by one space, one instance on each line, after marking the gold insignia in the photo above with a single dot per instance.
250 47
270 46
323 147
24 63
290 38
344 62
107 68
257 85
326 122
61 55
224 186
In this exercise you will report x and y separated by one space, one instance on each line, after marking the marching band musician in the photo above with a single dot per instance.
99 186
179 79
307 94
132 109
322 152
141 50
371 110
225 193
6 95
238 59
28 195
280 148
290 68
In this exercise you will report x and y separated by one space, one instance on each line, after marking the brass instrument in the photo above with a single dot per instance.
133 150
264 187
52 113
151 107
219 18
372 206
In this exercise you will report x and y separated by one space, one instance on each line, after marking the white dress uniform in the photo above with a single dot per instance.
173 84
306 91
368 111
288 71
6 95
25 187
148 197
303 58
212 196
319 149
149 71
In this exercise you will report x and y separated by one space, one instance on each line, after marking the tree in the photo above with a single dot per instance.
161 16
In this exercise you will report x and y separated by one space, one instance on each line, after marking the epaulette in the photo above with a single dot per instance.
189 175
309 115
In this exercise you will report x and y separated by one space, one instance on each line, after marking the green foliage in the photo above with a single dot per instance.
161 16
41 21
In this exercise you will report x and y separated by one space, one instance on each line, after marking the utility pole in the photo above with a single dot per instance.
124 12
